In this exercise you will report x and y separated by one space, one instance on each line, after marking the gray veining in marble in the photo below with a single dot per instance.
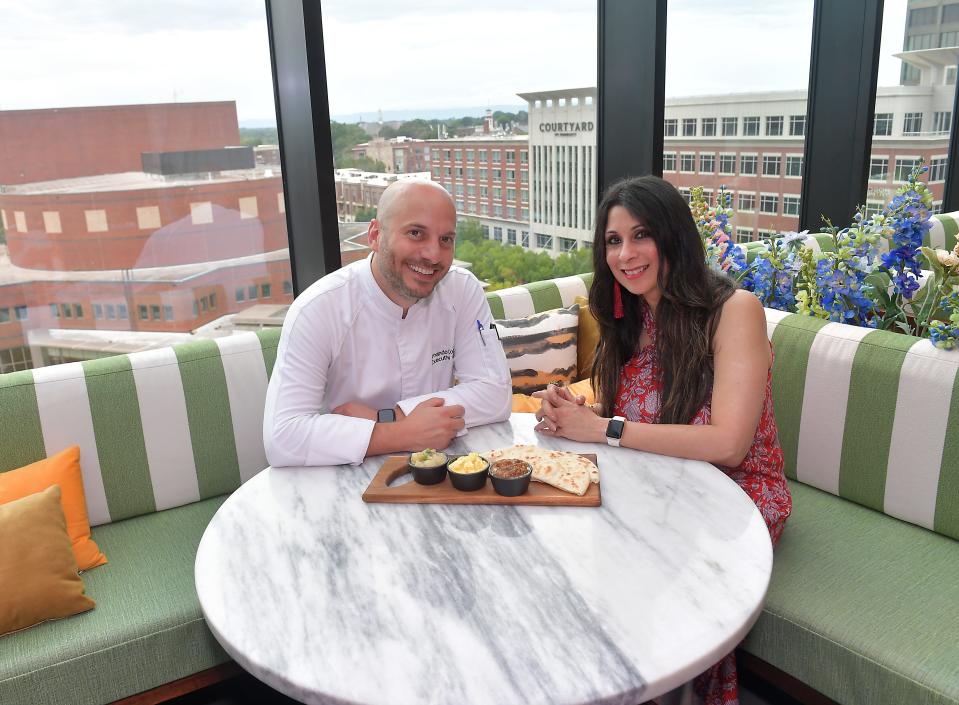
332 600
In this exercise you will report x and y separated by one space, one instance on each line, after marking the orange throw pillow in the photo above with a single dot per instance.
588 339
524 403
61 469
38 571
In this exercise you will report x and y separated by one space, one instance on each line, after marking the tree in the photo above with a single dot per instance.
469 230
365 214
255 136
345 137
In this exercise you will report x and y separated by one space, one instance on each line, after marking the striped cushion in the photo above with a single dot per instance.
156 429
870 416
525 300
540 349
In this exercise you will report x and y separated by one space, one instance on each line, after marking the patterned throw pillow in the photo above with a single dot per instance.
540 349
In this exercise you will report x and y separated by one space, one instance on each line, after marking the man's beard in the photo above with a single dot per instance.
391 271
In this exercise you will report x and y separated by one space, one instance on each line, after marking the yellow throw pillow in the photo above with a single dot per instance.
38 570
62 469
588 336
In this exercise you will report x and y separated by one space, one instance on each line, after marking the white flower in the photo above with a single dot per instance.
948 259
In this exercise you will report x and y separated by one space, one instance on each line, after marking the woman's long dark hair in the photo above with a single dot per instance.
688 310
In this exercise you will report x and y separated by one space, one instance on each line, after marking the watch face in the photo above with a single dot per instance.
385 416
615 428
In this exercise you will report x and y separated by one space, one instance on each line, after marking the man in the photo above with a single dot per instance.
368 354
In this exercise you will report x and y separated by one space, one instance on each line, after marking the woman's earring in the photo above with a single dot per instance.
617 300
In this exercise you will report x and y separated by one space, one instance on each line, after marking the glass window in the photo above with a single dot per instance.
54 310
287 287
941 122
751 126
730 126
744 234
950 12
251 292
771 164
525 238
747 202
920 41
709 127
21 312
689 127
912 124
747 164
937 169
949 39
497 234
669 161
544 241
922 16
727 163
879 168
707 163
768 203
4 314
687 162
794 165
266 290
791 205
199 218
669 127
882 124
510 236
797 125
904 167
240 294
567 244
774 125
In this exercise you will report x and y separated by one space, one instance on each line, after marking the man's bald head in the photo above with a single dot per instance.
395 195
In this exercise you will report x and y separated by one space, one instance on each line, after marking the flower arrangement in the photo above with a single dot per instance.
852 281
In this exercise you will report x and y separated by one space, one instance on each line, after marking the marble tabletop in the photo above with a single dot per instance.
332 600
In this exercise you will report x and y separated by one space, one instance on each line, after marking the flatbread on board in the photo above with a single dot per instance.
566 471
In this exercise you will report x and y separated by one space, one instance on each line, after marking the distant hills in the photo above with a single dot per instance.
403 115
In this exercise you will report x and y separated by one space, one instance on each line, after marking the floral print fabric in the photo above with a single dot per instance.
760 475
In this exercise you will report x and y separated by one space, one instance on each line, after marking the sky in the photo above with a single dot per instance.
388 54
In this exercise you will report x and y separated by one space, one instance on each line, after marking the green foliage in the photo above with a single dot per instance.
255 136
417 129
345 137
364 163
503 266
365 214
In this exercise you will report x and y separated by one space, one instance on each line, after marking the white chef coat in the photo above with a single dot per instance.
344 340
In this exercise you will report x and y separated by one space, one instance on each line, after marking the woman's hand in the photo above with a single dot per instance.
566 415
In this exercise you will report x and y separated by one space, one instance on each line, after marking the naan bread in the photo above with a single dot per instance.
569 472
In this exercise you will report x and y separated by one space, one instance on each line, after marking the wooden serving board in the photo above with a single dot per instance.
444 493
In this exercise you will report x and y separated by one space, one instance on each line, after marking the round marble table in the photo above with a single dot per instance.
332 600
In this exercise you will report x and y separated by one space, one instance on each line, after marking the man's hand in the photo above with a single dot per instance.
356 410
431 424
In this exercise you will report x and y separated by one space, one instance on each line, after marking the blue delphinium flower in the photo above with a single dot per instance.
905 222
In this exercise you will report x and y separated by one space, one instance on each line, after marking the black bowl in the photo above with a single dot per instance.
511 486
471 481
428 476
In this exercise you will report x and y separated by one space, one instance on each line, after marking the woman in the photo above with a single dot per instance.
683 357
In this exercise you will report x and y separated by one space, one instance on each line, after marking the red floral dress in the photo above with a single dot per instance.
760 476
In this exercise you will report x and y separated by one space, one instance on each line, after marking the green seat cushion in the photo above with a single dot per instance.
146 630
862 607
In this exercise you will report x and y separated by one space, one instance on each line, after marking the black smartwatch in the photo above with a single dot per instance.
385 416
614 430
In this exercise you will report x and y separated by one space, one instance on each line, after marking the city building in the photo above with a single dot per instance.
488 177
356 189
399 154
131 227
